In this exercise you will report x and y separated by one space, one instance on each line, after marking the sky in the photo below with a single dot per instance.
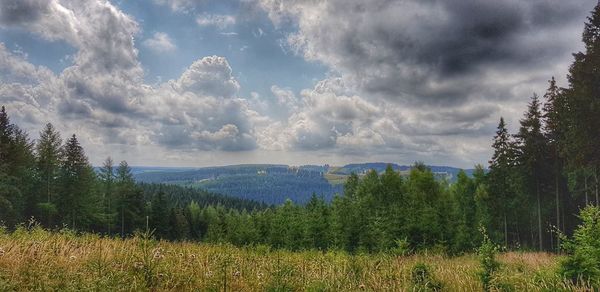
219 82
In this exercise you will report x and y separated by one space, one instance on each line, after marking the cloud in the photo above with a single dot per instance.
160 43
408 80
217 20
211 76
102 96
422 78
433 51
183 6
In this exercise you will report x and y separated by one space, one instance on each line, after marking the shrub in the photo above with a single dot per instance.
423 279
583 250
401 247
487 260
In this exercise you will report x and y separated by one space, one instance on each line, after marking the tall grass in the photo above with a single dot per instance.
35 259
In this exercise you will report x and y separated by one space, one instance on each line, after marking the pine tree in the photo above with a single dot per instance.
317 225
130 200
502 198
77 178
9 193
49 157
554 129
159 216
6 130
107 177
532 153
463 195
582 99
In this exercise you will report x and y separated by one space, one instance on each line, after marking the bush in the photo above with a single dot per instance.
487 260
401 247
583 250
423 279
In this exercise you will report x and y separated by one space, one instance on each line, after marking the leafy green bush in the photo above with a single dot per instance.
487 259
401 247
583 250
423 279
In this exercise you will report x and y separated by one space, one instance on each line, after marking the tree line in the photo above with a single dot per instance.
54 184
541 176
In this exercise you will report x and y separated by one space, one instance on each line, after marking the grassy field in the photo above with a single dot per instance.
44 261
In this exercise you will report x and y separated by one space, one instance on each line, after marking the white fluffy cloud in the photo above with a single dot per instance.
102 96
160 42
211 76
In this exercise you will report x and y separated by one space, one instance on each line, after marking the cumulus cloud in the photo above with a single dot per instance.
160 42
210 76
102 95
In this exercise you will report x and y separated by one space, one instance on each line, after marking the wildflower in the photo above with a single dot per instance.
361 286
236 273
158 254
138 265
72 258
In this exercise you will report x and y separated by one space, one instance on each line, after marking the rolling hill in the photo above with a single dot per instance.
273 183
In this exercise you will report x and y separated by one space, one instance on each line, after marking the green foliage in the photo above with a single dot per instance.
583 250
423 279
487 260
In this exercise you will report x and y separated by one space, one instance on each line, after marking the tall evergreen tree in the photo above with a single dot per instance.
554 129
107 177
76 202
532 154
49 157
501 166
130 200
159 216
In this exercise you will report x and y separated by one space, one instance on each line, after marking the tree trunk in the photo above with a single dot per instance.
557 209
505 232
585 186
108 213
122 221
596 178
539 216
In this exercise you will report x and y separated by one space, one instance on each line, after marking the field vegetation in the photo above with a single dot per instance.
35 259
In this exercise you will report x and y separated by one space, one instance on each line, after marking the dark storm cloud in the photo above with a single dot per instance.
431 50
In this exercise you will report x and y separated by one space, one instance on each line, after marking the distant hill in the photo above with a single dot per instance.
267 183
273 183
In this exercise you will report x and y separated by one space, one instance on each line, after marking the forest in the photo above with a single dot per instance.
267 183
529 198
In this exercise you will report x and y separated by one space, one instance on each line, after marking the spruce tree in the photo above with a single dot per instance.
532 154
159 216
554 129
107 178
76 202
129 200
49 157
499 178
